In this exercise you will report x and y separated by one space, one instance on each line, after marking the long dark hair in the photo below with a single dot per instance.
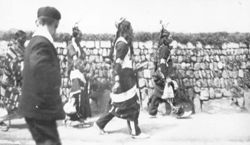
125 30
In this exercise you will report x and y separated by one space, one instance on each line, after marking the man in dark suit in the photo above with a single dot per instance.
40 103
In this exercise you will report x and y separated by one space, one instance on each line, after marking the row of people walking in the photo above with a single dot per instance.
41 104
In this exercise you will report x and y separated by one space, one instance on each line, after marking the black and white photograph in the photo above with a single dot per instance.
124 72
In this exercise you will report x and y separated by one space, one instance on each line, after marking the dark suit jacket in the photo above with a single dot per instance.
41 81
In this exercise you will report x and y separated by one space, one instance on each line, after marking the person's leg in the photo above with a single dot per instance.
43 132
174 109
153 106
135 130
133 127
104 120
4 126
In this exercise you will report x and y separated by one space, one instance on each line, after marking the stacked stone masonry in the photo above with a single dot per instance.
207 72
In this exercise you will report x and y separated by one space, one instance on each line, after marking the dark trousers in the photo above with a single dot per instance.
153 105
44 132
133 126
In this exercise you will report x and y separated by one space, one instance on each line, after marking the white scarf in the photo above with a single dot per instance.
43 31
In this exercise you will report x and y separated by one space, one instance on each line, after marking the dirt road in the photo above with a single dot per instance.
202 128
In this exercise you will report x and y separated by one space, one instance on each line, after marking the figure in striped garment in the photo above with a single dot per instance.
11 77
124 98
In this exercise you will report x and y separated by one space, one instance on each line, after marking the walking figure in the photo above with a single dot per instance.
124 98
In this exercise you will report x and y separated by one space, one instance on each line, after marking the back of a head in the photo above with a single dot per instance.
125 29
20 36
47 15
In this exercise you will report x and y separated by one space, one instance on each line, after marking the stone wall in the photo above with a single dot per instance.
208 72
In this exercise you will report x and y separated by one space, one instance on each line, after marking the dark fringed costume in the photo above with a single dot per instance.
163 69
124 98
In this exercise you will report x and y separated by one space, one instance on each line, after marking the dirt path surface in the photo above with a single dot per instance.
202 128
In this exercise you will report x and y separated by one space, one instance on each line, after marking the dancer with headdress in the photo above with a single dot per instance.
77 108
164 85
124 98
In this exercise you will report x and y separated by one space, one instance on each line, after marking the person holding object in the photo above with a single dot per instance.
40 103
163 69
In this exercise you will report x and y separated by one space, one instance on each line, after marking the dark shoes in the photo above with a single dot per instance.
100 131
140 136
4 126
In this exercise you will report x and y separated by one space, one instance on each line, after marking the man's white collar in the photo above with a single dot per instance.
43 31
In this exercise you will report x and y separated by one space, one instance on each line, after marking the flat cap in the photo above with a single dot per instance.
50 12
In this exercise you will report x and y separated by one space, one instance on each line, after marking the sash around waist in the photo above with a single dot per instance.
121 97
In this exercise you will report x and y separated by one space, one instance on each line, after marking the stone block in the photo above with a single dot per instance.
190 73
207 58
202 66
247 99
174 59
217 82
217 58
199 59
143 58
135 44
211 93
105 44
193 58
180 59
208 74
197 66
243 65
200 74
148 44
226 93
225 74
198 83
197 89
141 45
235 74
90 44
220 65
218 93
241 73
204 74
186 82
210 82
196 74
204 83
148 57
211 66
